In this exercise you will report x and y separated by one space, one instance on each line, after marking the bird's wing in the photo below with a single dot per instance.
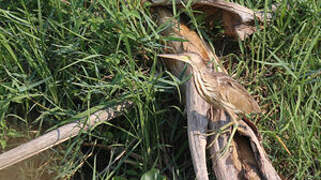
235 94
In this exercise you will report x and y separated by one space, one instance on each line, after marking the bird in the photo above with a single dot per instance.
219 90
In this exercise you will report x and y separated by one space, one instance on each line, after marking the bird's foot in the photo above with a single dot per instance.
220 131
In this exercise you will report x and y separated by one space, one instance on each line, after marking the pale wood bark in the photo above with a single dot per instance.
59 135
196 109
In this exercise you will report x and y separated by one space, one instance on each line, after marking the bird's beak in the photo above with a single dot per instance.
181 57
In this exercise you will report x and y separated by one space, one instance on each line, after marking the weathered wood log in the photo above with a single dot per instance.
197 123
196 107
59 135
238 20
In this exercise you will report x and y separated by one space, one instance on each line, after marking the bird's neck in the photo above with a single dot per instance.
200 69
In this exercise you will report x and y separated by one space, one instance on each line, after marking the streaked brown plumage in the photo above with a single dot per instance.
218 88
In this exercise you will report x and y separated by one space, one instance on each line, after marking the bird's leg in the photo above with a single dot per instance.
216 137
210 115
235 124
225 129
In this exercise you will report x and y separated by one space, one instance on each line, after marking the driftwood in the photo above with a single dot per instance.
238 21
247 159
59 135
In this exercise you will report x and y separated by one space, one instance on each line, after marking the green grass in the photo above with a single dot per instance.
59 60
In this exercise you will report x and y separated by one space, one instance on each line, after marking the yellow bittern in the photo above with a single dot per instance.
220 90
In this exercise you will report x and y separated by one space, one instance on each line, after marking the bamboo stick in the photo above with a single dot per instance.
59 135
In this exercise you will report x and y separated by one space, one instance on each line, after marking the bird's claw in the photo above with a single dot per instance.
222 130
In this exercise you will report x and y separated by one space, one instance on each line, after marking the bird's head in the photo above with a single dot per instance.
191 58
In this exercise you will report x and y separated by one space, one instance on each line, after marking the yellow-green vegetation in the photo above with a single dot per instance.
60 58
